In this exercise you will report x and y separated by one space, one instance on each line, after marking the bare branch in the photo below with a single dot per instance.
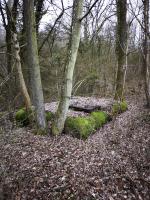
51 30
86 14
2 14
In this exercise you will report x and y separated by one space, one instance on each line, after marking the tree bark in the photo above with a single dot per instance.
146 68
20 74
12 13
121 45
66 90
33 64
11 37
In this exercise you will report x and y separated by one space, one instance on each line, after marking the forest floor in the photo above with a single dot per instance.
112 164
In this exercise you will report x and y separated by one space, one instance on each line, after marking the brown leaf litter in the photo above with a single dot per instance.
112 164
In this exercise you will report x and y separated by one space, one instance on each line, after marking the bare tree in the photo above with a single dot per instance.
146 50
33 65
66 90
7 24
121 45
11 11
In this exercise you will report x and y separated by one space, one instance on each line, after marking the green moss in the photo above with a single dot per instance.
119 107
55 130
100 118
41 132
116 108
49 116
80 127
124 106
22 117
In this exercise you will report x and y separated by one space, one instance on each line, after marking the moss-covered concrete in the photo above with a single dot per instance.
100 118
22 117
119 107
80 127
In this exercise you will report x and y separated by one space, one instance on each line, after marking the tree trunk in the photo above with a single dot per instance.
23 53
11 37
121 45
9 48
20 74
8 39
9 64
66 90
146 51
11 15
33 65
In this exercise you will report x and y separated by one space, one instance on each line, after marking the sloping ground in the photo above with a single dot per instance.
112 164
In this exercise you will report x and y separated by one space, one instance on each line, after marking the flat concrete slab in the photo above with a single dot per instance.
81 106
